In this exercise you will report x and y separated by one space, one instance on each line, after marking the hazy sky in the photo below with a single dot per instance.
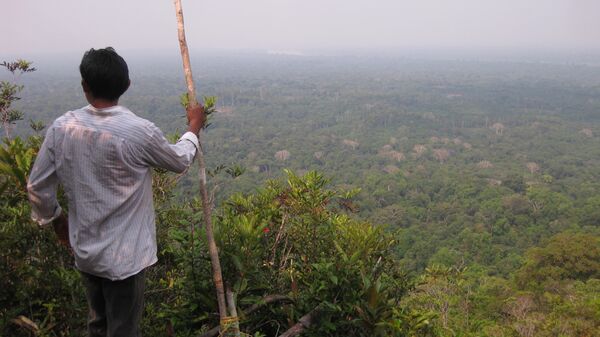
39 26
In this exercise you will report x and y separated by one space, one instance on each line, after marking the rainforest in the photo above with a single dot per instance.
353 195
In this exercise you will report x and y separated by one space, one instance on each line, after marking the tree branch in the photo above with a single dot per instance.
304 323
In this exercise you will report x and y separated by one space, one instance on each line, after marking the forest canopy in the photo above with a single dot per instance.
381 196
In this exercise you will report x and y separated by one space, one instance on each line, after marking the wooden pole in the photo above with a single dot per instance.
234 330
206 207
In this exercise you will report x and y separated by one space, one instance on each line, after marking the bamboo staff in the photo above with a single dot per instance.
212 247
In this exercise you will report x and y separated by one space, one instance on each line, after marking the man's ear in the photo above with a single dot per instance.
128 84
85 86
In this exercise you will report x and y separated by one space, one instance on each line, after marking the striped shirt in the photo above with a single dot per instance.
103 160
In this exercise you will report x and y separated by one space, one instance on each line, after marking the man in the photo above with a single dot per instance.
102 155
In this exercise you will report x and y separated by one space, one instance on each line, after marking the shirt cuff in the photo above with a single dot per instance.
45 221
192 138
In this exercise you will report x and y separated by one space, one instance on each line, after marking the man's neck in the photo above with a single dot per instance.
102 103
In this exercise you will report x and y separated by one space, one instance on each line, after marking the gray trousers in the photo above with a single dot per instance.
115 307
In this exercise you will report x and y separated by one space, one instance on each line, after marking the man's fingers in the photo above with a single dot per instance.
197 114
61 228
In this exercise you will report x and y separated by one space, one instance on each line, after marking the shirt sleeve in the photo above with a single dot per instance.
158 152
43 183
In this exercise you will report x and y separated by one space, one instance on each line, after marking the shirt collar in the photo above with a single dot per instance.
105 111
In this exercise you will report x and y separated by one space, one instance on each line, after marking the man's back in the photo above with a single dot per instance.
102 158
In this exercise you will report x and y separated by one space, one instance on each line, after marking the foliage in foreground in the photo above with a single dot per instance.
296 239
291 239
287 239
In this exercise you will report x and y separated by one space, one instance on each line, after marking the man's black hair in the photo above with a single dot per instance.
105 73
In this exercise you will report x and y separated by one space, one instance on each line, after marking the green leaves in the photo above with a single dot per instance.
16 159
234 170
9 92
8 95
288 238
209 104
36 274
567 256
184 100
20 66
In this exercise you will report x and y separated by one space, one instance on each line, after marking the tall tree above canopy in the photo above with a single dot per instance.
566 256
